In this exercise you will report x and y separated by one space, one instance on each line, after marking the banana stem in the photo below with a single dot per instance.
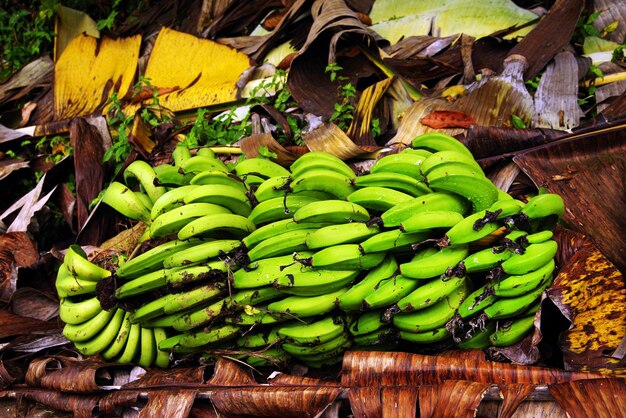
607 79
227 150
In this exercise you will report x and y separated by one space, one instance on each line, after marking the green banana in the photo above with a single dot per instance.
368 322
435 141
273 356
119 342
272 229
225 195
261 167
199 163
394 239
389 292
260 338
124 201
170 343
517 285
315 282
141 284
220 224
323 180
171 222
272 188
319 160
479 339
331 211
311 350
426 337
352 232
132 346
427 294
88 329
254 316
352 299
104 337
77 263
305 306
218 177
238 300
317 332
381 336
428 202
544 205
212 270
150 310
421 152
76 313
279 208
281 244
265 272
464 181
477 301
472 228
512 332
205 152
506 207
162 321
510 307
446 157
162 358
433 317
402 163
447 258
152 259
485 260
377 198
68 285
396 181
144 199
212 336
345 257
201 253
200 295
535 256
171 199
424 221
180 154
148 348
142 172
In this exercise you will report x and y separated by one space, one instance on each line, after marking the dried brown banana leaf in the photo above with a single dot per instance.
329 138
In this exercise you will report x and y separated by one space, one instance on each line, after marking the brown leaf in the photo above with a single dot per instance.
141 136
447 119
6 379
12 325
30 77
16 250
329 138
227 373
67 374
88 148
28 205
598 169
605 398
170 377
360 127
552 33
168 403
456 398
250 146
9 166
366 402
111 403
365 368
590 292
32 303
270 401
490 141
512 396
282 379
400 402
82 406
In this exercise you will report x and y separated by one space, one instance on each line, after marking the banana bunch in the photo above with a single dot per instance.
304 263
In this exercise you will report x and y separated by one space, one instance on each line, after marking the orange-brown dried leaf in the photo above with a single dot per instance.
366 402
179 376
399 402
82 406
228 373
452 398
250 146
447 119
89 71
590 292
12 325
598 398
67 374
141 136
205 71
512 396
168 403
270 401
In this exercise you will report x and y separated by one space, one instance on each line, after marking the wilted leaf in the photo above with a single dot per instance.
204 72
67 374
489 141
600 398
611 11
556 99
227 373
16 250
451 17
25 80
251 144
440 119
12 325
70 23
125 241
329 138
32 303
456 398
80 405
9 166
366 402
512 396
590 292
89 71
168 403
594 166
360 127
401 402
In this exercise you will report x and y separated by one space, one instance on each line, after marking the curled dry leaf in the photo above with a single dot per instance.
360 127
251 144
456 398
16 250
608 395
80 405
168 403
67 374
32 303
329 138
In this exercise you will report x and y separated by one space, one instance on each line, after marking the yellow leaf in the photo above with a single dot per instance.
89 71
70 23
203 72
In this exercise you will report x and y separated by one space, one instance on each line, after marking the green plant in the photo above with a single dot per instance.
120 126
343 112
266 153
219 130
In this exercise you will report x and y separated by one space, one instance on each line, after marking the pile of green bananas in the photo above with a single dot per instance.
306 263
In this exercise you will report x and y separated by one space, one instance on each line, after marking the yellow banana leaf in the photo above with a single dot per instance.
394 19
70 23
361 124
329 138
204 72
89 71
